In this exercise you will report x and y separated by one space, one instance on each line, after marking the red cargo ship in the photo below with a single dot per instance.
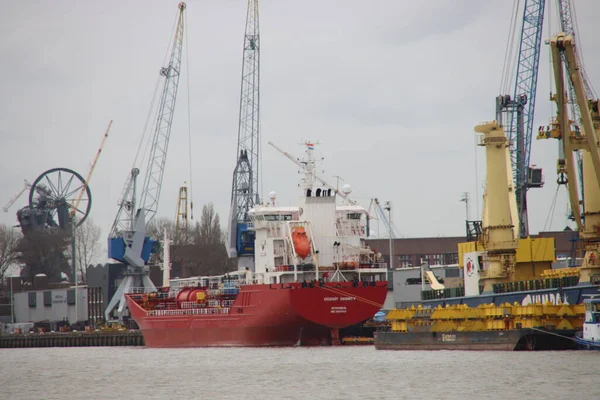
258 315
310 276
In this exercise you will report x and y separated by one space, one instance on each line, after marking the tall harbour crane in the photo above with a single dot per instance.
127 241
518 110
244 190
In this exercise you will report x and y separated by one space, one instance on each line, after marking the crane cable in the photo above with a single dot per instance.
550 215
548 223
187 71
508 52
152 103
580 52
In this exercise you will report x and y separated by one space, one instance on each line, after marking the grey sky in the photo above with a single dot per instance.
391 89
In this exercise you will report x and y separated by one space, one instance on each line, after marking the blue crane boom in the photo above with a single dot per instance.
127 240
244 191
521 107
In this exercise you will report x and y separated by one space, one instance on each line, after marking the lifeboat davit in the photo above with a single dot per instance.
301 242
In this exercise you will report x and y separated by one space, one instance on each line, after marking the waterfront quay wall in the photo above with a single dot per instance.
72 339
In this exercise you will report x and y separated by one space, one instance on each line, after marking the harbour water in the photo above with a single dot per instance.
294 373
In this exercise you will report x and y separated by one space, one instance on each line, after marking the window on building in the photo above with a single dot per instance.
32 299
433 259
404 261
48 299
451 258
71 297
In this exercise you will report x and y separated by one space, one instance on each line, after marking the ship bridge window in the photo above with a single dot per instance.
353 215
278 217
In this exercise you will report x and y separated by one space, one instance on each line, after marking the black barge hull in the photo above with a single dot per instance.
506 340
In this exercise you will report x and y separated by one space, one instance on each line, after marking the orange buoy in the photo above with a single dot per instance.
301 242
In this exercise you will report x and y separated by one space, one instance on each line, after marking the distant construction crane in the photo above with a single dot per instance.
520 108
26 186
244 190
75 205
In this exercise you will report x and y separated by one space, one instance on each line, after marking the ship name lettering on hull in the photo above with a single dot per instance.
448 337
338 310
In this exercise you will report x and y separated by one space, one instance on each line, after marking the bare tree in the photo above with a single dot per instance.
9 252
156 228
200 251
207 256
156 231
87 246
208 231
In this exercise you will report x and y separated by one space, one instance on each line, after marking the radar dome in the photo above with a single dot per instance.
272 195
346 189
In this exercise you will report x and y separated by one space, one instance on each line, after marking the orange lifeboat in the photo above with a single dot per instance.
301 242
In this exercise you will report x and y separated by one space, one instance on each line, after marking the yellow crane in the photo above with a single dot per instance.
75 204
578 135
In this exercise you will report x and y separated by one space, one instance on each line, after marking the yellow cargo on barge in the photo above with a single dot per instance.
486 327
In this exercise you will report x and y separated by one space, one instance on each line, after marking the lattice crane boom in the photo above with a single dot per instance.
521 107
245 191
128 242
150 191
26 186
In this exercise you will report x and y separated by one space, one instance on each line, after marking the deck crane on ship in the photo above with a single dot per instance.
585 137
568 27
127 241
244 188
504 226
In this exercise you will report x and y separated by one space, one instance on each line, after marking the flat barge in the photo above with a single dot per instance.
486 327
507 340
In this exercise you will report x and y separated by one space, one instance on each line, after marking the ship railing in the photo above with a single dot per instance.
188 311
137 290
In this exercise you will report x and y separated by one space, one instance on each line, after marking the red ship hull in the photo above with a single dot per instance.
265 315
